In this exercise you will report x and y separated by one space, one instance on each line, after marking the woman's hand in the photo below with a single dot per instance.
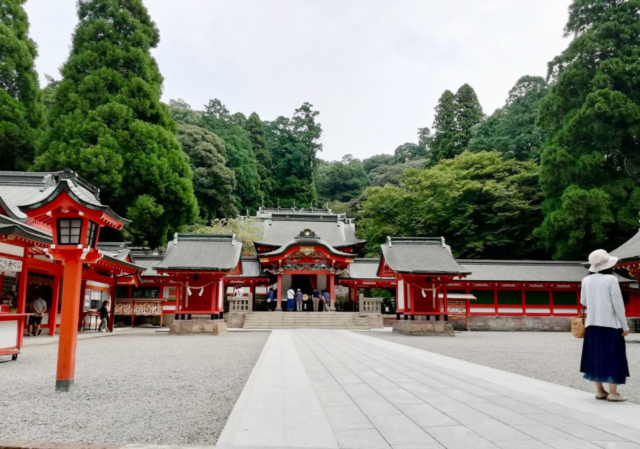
625 333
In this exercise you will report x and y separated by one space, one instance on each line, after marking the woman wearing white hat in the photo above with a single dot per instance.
604 358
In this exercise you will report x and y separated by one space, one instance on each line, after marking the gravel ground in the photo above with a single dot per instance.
146 389
550 356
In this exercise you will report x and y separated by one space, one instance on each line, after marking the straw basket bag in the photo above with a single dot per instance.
577 325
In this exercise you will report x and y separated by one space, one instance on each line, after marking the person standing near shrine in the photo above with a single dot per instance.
321 302
38 307
604 358
104 317
238 291
315 297
290 297
270 300
299 300
327 300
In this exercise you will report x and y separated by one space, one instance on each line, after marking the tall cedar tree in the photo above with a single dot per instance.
213 182
258 137
294 144
239 152
468 113
512 130
21 101
108 124
590 164
442 146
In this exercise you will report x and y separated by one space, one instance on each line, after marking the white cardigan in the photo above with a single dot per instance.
602 297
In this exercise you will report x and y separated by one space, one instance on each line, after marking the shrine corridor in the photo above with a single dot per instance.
341 389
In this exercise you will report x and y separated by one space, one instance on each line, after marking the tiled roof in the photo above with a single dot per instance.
364 269
628 251
524 270
68 181
149 263
337 232
191 252
420 255
11 226
18 188
250 268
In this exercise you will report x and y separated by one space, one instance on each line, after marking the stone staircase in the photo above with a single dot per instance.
306 320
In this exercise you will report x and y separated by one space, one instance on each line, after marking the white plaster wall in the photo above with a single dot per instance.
322 282
286 284
11 250
8 334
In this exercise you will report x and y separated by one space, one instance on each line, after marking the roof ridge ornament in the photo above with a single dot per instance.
307 233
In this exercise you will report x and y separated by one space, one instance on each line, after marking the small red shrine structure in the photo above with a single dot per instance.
628 255
197 264
422 268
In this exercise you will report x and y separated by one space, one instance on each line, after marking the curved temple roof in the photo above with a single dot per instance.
193 252
628 251
420 255
335 230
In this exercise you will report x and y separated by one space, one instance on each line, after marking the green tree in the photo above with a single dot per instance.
444 125
467 113
341 180
240 156
376 161
484 205
213 182
182 113
108 124
21 101
246 231
258 136
512 130
590 163
408 152
385 174
294 144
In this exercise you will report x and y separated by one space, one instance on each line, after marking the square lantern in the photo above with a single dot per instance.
69 231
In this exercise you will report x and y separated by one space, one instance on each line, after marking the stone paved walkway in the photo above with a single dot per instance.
340 389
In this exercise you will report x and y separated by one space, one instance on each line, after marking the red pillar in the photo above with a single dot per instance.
55 303
354 294
332 289
71 293
214 297
112 316
279 305
22 295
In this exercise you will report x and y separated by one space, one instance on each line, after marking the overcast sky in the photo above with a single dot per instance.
373 68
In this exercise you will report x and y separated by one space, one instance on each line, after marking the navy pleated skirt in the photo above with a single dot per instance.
604 356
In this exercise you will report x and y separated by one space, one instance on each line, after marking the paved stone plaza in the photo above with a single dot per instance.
550 356
340 389
299 389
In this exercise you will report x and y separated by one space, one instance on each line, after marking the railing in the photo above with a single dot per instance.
370 305
240 304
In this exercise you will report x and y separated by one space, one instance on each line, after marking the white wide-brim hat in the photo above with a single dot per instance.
601 260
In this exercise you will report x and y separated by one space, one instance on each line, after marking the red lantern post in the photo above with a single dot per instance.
75 215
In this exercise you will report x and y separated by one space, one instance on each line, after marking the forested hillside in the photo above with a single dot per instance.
554 172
